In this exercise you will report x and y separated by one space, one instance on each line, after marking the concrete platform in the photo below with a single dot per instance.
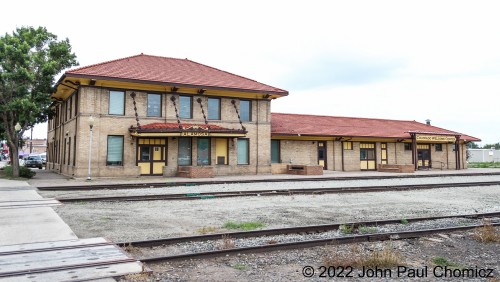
48 178
37 245
28 223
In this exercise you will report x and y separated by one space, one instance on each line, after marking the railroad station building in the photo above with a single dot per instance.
149 115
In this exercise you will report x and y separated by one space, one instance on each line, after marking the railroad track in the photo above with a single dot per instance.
355 238
275 192
210 182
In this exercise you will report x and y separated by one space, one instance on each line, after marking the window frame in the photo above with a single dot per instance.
219 108
190 107
160 106
190 150
438 147
209 158
108 163
249 111
279 151
348 145
109 102
408 146
247 151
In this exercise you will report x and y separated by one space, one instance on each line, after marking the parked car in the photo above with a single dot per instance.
33 161
44 158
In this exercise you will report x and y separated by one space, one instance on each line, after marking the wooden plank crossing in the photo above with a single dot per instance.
68 260
29 203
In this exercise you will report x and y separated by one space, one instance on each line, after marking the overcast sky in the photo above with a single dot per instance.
405 60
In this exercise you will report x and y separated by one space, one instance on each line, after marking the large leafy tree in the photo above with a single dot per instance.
30 59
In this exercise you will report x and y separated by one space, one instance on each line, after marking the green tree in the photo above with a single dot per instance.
30 59
472 145
489 146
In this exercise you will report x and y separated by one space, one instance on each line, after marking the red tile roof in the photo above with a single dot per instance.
174 127
312 125
171 71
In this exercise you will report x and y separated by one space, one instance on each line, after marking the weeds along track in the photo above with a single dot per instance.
221 244
275 192
210 182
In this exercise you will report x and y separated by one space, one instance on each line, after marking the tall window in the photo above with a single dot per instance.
154 105
213 108
115 150
185 107
117 103
184 157
245 110
275 151
243 151
203 151
408 146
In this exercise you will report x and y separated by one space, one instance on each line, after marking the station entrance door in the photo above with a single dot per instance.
424 156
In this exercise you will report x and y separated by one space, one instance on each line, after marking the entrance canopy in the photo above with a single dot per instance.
186 130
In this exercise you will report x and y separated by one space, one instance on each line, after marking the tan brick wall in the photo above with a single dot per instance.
299 152
95 101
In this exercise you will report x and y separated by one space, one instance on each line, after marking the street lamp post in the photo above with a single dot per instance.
91 124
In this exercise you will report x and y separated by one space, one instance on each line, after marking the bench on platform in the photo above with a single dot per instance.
304 169
396 168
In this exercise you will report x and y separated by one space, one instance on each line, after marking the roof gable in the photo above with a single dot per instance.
175 72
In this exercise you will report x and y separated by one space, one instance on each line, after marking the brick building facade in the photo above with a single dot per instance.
163 116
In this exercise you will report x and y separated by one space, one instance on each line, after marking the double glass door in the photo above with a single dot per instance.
152 155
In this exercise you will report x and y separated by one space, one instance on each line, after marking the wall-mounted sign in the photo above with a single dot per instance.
195 133
435 138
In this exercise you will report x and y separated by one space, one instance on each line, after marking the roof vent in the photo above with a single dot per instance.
428 121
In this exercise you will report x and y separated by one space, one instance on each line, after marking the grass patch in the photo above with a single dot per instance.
207 230
404 221
24 172
346 229
250 225
487 233
484 165
442 261
239 266
367 229
357 258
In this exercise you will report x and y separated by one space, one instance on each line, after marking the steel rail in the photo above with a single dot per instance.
209 182
275 192
292 230
313 243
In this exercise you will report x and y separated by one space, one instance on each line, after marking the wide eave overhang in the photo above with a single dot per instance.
70 82
344 137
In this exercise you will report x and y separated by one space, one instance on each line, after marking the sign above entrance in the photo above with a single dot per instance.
195 133
435 138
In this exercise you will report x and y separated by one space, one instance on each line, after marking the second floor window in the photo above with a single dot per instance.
117 103
154 105
245 110
185 107
214 108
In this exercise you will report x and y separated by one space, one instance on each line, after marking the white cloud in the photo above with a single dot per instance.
387 59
